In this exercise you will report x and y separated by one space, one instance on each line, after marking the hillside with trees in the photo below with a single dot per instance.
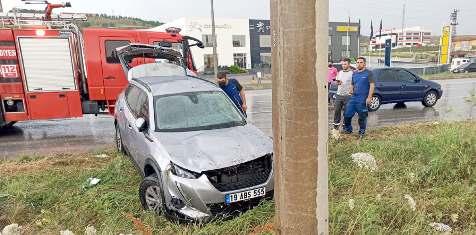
107 21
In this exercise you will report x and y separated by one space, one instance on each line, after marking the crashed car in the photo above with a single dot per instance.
198 155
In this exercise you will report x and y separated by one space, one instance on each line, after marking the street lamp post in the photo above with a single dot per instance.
214 39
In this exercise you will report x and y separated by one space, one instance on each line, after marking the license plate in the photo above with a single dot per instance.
245 195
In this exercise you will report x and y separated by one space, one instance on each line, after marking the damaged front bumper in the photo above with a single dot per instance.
199 200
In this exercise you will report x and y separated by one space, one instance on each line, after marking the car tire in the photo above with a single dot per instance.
375 103
9 125
151 194
118 140
430 98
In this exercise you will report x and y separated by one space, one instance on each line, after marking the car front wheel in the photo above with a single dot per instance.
375 103
430 99
151 195
118 140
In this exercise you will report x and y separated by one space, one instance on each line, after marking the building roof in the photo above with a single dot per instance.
463 38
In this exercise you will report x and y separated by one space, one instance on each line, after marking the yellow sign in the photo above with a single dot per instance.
445 45
346 28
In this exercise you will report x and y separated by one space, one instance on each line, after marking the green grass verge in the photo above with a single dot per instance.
449 75
434 163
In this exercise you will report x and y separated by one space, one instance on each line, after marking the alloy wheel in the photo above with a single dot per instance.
374 103
153 198
431 98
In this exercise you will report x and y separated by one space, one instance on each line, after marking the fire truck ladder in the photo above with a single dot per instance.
20 20
15 19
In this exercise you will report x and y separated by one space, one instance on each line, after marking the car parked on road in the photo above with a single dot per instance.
458 62
198 155
465 68
399 85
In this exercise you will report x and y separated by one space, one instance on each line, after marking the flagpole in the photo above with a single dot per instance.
380 46
358 41
370 41
348 39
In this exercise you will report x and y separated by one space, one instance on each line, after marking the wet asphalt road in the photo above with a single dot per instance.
92 133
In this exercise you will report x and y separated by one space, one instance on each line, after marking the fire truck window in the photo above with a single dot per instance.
111 45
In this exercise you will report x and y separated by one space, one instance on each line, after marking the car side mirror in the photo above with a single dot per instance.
141 124
200 45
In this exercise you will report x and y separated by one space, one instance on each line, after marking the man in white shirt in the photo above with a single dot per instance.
344 82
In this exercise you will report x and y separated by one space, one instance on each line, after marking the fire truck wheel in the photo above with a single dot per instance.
118 140
8 125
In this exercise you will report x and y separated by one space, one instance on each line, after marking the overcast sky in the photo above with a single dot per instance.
431 14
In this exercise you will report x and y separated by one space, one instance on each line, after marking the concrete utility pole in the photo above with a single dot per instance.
214 36
300 125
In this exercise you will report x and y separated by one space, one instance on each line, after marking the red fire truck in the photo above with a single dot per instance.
49 69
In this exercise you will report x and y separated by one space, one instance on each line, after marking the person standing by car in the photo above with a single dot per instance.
362 90
331 73
344 82
234 90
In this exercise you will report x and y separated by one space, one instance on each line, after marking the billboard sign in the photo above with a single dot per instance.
445 44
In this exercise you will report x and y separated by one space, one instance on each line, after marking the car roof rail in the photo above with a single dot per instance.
203 79
143 84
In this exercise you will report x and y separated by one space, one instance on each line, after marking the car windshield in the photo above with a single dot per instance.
195 111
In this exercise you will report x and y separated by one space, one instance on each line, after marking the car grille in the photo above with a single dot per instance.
241 176
224 210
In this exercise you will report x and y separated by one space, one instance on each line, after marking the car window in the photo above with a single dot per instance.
196 111
132 98
143 105
405 76
386 75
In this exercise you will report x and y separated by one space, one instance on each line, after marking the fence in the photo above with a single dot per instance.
430 69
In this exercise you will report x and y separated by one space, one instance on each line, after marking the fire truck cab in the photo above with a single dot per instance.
61 72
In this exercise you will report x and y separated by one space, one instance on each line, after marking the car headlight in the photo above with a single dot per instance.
184 173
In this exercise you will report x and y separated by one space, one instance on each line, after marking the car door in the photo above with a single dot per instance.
387 85
472 67
412 87
130 114
120 111
140 140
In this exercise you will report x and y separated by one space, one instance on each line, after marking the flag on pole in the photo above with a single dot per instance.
359 27
371 30
380 29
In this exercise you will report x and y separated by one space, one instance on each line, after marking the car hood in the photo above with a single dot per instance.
432 84
206 150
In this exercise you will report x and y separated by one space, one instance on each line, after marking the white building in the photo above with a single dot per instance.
233 40
408 37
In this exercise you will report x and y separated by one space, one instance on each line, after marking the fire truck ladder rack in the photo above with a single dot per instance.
35 19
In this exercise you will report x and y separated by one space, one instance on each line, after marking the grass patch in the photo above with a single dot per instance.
433 163
449 75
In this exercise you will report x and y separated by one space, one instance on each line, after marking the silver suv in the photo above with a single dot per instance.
198 155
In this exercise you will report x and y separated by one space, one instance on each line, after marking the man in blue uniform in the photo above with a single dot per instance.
362 90
234 90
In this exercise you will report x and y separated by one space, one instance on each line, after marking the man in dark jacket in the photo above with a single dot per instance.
234 90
